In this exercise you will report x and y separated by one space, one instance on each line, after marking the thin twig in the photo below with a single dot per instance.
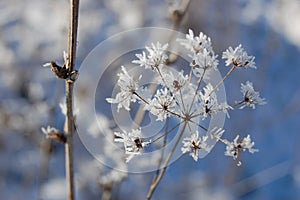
69 123
166 132
223 79
162 172
162 152
198 125
140 114
198 87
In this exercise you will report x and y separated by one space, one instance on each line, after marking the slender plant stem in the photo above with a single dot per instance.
162 151
198 87
166 132
69 122
162 172
224 78
141 112
198 125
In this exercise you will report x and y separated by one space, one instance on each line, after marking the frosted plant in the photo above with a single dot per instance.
233 148
185 96
196 43
129 87
194 144
251 97
178 94
132 141
162 105
238 57
209 104
156 56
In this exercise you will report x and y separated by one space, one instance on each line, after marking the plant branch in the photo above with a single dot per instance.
198 87
224 78
166 132
162 172
69 122
162 152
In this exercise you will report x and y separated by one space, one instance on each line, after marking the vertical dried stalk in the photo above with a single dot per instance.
69 123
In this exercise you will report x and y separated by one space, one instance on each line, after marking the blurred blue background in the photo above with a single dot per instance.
34 32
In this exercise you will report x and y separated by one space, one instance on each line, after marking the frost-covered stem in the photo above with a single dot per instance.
181 98
238 103
175 114
141 98
220 139
191 74
141 113
162 172
224 78
200 126
162 78
162 151
69 122
198 87
166 133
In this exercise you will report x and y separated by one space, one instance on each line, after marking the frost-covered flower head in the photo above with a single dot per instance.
205 60
196 44
161 105
233 148
209 104
251 97
132 142
156 56
194 144
238 57
172 80
186 96
128 88
201 48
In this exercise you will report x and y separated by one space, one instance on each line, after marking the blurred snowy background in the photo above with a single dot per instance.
34 32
